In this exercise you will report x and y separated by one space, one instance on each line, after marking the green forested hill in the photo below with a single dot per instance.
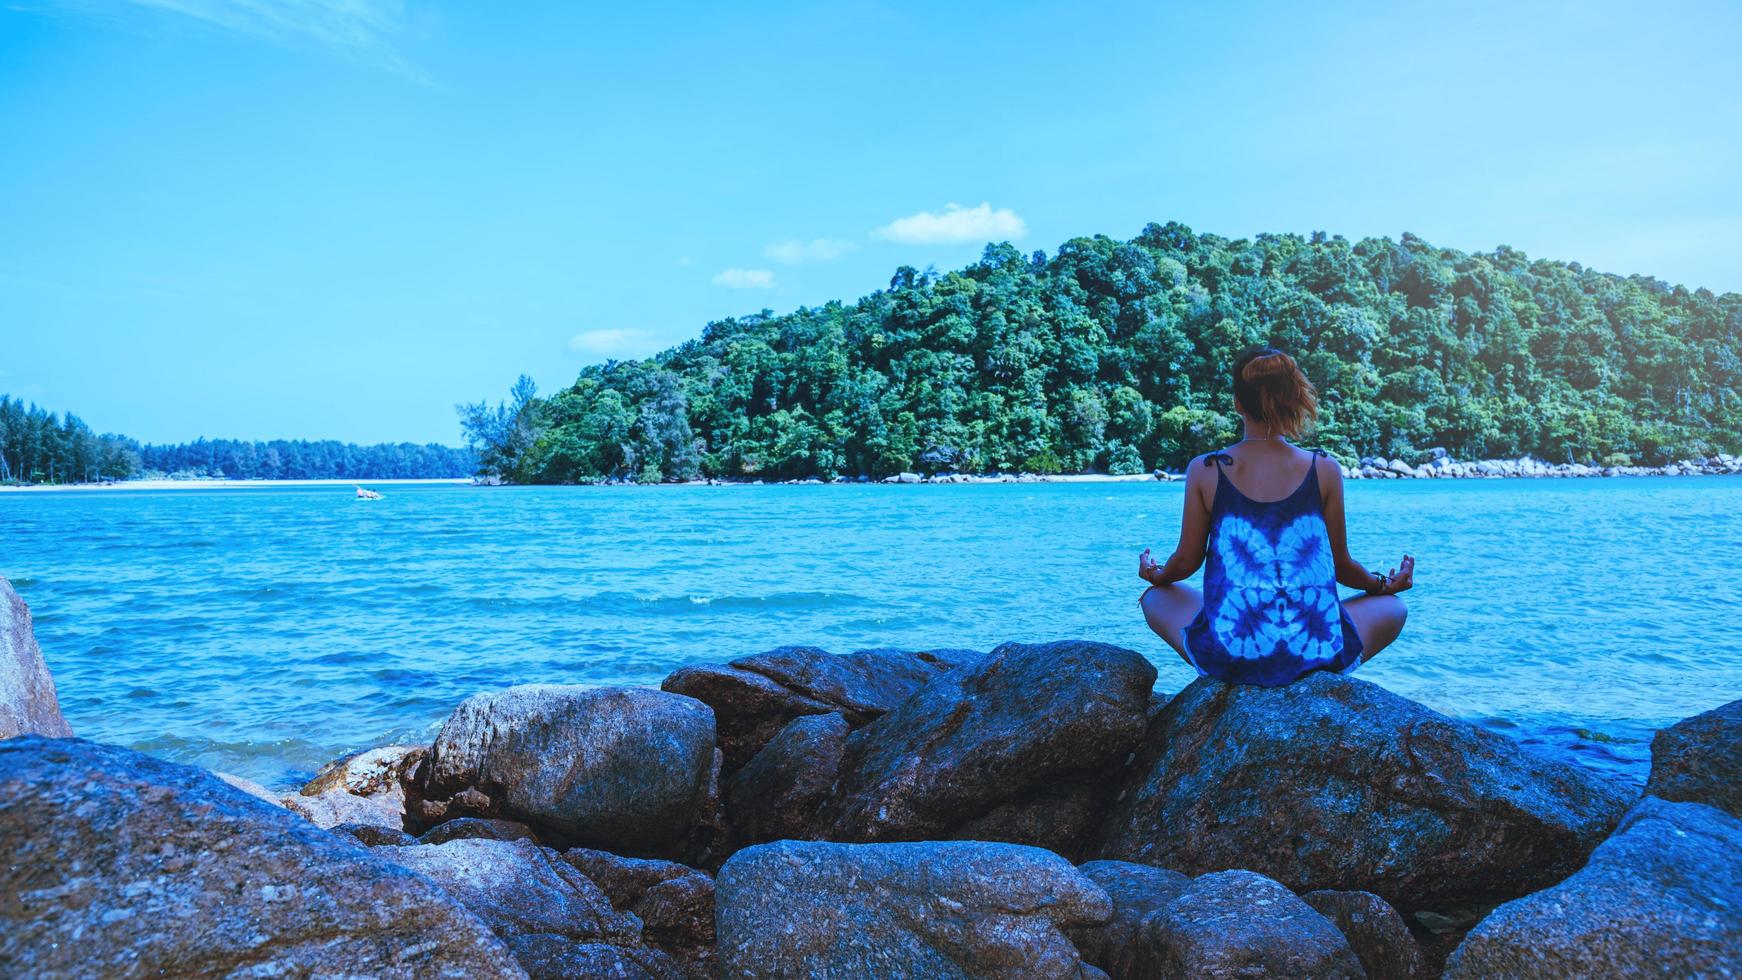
1114 355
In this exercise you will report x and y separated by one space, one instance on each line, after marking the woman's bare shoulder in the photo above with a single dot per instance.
1330 471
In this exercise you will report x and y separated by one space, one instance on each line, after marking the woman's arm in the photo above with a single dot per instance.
1194 530
1349 571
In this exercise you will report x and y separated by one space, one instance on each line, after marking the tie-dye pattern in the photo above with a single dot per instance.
1271 611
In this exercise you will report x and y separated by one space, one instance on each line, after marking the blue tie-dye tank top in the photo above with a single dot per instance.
1271 612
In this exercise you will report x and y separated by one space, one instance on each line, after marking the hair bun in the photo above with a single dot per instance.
1270 388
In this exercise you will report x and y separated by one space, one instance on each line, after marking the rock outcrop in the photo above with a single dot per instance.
996 732
755 697
27 699
544 910
123 865
1699 760
1660 898
626 769
781 793
953 909
1375 932
1335 783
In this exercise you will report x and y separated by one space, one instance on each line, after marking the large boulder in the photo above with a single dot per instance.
1375 932
1335 783
755 697
781 792
539 905
27 700
119 864
991 733
1661 898
941 910
1699 760
1123 946
623 768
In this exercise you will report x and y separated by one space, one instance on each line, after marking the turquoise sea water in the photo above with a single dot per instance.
264 631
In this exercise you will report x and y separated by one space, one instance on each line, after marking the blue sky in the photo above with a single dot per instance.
337 218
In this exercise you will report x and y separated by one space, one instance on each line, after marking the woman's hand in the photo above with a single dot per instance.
1401 578
1146 567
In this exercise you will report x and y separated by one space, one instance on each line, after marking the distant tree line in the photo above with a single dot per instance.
38 446
1113 355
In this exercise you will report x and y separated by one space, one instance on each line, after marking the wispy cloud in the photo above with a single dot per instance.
613 342
363 29
736 278
793 251
954 225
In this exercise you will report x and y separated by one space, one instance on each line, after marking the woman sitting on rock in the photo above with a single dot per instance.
1270 517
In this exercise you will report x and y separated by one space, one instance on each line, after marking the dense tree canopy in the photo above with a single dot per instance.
37 446
1113 355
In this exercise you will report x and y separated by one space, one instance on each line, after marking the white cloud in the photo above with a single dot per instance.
613 342
954 225
793 251
736 278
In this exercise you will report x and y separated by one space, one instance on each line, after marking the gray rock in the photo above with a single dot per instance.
122 865
336 807
519 889
27 699
545 956
1125 946
477 828
1375 932
379 773
1018 720
1241 924
370 835
623 768
780 794
940 910
1699 760
674 902
755 697
1661 898
252 788
1060 815
1336 783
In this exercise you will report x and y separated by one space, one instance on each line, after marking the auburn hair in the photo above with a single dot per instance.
1270 388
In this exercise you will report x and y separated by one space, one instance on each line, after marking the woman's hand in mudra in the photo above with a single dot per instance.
1146 567
1401 578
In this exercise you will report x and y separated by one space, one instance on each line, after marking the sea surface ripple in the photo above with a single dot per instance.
264 631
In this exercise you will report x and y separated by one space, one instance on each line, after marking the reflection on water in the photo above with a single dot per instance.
264 631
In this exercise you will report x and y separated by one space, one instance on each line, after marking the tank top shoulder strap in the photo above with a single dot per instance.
1218 459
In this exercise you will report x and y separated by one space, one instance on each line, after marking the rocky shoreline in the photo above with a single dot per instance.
1438 466
1034 811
